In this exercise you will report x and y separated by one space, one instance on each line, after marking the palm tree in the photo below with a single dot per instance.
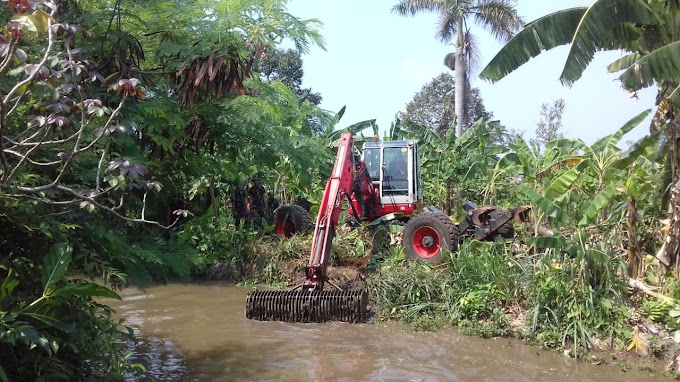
499 17
650 31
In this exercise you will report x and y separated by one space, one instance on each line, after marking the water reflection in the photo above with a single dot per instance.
199 333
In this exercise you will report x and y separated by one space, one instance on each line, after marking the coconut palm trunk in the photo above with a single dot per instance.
460 65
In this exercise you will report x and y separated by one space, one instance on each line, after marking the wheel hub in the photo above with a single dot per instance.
426 242
286 228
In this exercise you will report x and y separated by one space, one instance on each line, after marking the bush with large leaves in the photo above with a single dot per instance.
648 31
589 195
61 333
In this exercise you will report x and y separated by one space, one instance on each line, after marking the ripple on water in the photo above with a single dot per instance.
199 333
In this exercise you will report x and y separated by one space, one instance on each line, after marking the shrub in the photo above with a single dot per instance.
580 297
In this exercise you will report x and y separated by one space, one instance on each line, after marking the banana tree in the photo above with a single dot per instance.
630 177
649 30
642 177
605 25
395 132
562 187
450 164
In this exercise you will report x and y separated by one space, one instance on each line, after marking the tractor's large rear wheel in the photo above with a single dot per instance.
291 219
427 235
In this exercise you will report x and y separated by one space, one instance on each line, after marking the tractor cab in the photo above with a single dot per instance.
394 168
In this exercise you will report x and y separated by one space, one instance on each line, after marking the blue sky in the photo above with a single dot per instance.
375 61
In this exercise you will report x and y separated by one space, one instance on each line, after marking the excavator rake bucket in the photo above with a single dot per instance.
307 305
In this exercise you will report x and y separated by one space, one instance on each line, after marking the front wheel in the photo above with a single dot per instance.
427 235
291 219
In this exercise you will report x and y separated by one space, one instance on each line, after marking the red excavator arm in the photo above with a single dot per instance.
343 183
312 303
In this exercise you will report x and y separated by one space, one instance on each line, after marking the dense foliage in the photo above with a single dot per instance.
114 129
286 66
133 153
566 286
597 228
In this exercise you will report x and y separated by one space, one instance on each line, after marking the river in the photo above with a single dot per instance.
198 332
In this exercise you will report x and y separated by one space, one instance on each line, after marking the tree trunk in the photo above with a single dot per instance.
213 203
449 202
672 242
635 255
670 251
459 88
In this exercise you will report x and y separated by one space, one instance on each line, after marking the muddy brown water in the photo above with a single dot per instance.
199 333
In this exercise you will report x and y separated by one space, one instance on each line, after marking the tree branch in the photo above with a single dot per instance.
16 104
144 203
10 53
92 199
99 166
43 60
41 143
114 212
3 67
21 161
31 161
77 151
106 126
120 204
3 158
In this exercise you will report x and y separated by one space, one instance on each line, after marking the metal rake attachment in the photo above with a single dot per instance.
307 305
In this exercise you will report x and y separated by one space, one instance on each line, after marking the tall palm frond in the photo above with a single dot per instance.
499 17
413 7
447 27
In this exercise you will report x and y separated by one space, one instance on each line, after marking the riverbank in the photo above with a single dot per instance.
579 308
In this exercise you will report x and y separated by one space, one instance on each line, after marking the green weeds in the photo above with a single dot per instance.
581 296
469 291
569 300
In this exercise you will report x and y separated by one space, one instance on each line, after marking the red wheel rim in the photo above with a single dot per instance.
426 242
286 228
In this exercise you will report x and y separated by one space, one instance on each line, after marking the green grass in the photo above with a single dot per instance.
568 300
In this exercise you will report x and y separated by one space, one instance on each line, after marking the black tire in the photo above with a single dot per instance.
290 220
427 235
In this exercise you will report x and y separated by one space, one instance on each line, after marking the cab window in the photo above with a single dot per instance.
372 160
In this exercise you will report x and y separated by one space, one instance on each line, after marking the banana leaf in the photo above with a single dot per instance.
562 184
600 201
547 206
